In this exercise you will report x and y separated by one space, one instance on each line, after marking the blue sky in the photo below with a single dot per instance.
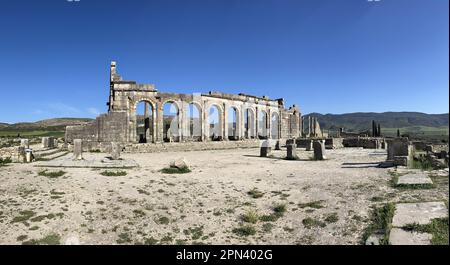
327 56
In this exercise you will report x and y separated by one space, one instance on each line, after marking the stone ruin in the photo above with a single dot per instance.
400 151
253 117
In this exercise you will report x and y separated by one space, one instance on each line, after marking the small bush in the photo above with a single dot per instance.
332 218
250 217
279 209
314 204
255 193
113 173
246 230
310 223
52 239
175 170
5 161
269 218
52 174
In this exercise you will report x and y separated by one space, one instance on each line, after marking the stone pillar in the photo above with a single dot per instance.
25 143
45 141
277 145
28 156
319 150
77 149
309 145
314 127
21 155
291 152
309 126
115 151
266 149
154 122
51 142
257 123
224 121
160 123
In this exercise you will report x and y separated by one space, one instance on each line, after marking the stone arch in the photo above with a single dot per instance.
171 121
275 125
194 125
249 122
142 126
233 122
214 122
263 124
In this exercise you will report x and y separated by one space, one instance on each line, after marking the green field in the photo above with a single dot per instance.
30 134
419 132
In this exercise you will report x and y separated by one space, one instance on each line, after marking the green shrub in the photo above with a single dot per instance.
175 170
51 174
246 230
113 173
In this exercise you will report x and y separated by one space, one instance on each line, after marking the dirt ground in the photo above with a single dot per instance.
327 202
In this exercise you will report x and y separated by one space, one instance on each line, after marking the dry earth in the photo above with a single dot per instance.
204 206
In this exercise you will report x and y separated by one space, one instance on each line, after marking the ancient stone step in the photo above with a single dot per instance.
414 179
418 213
399 236
56 155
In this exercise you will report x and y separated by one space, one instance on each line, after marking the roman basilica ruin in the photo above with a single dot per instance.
173 117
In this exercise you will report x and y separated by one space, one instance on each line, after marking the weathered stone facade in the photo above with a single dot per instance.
255 117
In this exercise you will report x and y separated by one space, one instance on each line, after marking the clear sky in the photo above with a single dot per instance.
327 56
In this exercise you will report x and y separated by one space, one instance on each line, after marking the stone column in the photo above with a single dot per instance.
266 149
257 123
77 149
160 123
146 121
225 122
319 150
115 151
291 152
154 125
180 117
25 143
309 145
206 122
309 126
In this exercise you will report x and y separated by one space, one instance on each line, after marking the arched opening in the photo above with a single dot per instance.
262 125
144 122
274 126
194 123
171 122
249 124
232 124
214 124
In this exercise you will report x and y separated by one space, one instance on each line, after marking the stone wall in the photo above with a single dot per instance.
364 142
16 153
120 123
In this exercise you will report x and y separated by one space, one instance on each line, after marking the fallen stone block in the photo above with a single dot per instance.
418 213
414 179
399 236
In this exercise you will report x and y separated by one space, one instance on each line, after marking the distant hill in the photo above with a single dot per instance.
361 121
56 124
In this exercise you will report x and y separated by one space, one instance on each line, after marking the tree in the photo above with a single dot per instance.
398 132
379 130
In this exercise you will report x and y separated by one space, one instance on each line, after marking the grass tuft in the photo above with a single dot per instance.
52 174
175 170
381 222
245 230
255 193
438 228
113 173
